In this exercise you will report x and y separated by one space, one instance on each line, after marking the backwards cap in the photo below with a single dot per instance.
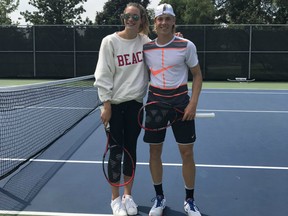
164 9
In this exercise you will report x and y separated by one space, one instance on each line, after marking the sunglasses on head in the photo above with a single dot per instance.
127 16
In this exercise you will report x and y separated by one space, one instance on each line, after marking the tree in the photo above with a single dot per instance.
112 11
192 11
280 14
7 7
240 12
55 12
252 11
199 12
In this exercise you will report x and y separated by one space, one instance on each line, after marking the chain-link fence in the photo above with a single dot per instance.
251 51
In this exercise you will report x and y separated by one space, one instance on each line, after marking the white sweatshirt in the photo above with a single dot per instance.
121 74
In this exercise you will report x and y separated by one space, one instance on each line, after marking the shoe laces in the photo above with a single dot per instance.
129 203
118 206
191 204
159 199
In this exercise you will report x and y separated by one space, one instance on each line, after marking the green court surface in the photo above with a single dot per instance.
209 85
16 82
246 85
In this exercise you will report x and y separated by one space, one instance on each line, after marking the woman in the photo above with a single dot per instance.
121 79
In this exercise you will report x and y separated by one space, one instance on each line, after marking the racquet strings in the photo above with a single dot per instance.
113 165
158 113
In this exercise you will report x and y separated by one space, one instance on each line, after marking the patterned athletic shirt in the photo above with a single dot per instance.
169 63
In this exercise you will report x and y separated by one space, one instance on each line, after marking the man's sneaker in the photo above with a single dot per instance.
118 208
158 207
130 205
190 208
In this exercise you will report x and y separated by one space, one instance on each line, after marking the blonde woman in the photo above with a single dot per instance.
121 79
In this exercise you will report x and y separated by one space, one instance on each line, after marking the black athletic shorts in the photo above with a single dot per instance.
184 131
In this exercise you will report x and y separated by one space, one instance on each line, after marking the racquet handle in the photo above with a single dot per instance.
107 127
205 115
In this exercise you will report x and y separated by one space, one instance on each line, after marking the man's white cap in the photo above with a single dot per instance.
164 9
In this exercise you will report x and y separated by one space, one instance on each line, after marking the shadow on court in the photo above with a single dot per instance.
144 210
18 191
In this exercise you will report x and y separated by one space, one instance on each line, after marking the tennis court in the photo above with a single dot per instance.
241 157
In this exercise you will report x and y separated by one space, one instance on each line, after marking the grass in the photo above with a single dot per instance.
247 85
15 82
206 85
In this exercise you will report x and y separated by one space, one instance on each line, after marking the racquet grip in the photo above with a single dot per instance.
107 127
205 115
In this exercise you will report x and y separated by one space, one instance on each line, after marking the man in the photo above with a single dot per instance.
169 59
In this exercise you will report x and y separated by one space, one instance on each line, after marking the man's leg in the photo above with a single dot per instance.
156 170
188 168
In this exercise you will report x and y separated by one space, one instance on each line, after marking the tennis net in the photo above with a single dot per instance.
32 117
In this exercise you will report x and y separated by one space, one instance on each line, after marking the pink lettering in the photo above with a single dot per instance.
139 56
134 59
120 60
126 59
126 56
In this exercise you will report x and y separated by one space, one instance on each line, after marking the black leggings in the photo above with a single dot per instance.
125 130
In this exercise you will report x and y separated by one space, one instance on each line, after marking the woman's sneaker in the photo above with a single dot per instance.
130 205
190 208
158 207
118 208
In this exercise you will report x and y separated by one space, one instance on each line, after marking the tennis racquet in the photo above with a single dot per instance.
157 112
112 162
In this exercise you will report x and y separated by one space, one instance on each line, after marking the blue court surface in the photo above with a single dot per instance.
241 157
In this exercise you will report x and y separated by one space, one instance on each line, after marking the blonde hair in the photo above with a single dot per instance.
144 27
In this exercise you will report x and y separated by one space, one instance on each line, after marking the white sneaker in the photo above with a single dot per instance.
191 208
158 207
118 208
130 205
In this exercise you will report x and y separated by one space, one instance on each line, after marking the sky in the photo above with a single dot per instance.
91 6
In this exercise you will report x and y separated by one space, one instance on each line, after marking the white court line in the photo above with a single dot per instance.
246 92
147 164
245 111
42 107
48 213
